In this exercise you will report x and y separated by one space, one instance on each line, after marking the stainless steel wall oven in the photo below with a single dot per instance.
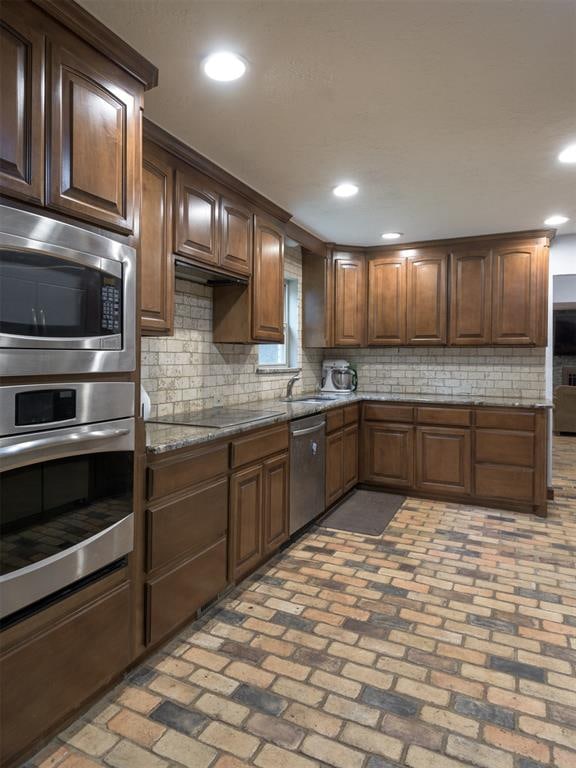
67 298
66 486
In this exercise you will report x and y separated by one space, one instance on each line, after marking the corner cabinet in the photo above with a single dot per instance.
268 282
387 300
349 299
156 259
22 45
94 141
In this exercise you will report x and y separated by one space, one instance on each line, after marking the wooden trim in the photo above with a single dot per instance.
99 36
183 152
529 234
306 239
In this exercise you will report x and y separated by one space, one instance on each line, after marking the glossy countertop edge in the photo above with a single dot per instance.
162 438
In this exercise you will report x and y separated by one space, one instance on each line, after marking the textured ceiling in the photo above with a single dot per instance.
448 114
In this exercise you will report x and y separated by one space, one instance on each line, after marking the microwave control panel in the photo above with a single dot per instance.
110 309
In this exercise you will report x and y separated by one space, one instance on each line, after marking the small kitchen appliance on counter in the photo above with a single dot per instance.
338 377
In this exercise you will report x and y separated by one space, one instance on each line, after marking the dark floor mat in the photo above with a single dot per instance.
367 512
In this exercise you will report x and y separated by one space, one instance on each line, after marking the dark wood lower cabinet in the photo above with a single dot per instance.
276 510
174 597
46 677
350 457
443 460
388 454
259 511
334 467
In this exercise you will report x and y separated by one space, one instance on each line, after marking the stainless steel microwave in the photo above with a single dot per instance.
67 298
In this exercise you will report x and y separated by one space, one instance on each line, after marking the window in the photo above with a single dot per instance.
284 355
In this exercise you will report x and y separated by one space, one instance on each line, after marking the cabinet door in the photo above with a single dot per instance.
94 142
349 299
388 454
197 215
471 296
236 245
276 517
520 301
426 302
350 457
246 520
268 282
443 460
157 262
22 87
387 300
334 467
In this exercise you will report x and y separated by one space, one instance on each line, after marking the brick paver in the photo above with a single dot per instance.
448 641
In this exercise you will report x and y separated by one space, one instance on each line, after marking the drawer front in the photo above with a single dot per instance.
502 419
175 597
172 475
259 445
384 412
451 417
334 420
188 524
511 483
511 448
351 413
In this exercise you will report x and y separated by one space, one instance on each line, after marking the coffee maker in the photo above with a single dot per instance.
338 377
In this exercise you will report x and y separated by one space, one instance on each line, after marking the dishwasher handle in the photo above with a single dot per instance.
308 431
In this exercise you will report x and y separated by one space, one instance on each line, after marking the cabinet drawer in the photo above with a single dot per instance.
172 475
351 413
502 419
175 597
334 420
187 524
384 412
256 446
513 483
496 447
457 417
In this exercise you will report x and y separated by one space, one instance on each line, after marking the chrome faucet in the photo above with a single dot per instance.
290 386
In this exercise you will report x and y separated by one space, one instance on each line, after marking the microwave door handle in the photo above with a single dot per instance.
43 320
35 319
55 441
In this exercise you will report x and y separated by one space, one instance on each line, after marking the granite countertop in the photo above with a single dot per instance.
161 438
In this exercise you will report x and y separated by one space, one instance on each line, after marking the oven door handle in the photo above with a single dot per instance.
56 441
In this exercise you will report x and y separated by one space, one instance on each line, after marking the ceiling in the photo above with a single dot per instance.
448 114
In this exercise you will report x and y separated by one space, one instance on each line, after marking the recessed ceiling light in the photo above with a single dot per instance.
224 66
347 189
568 155
556 220
391 235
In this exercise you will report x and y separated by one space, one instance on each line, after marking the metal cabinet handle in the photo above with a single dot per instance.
308 431
56 440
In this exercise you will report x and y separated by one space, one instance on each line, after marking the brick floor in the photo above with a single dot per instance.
449 641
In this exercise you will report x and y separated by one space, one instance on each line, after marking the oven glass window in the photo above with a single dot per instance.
45 296
48 507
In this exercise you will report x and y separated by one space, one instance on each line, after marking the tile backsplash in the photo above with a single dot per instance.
189 371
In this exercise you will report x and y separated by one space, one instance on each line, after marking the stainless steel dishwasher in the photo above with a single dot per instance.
307 462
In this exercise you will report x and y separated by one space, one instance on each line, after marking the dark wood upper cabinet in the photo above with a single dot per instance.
520 294
236 238
197 216
268 282
94 142
156 259
426 302
349 299
22 86
471 296
387 300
